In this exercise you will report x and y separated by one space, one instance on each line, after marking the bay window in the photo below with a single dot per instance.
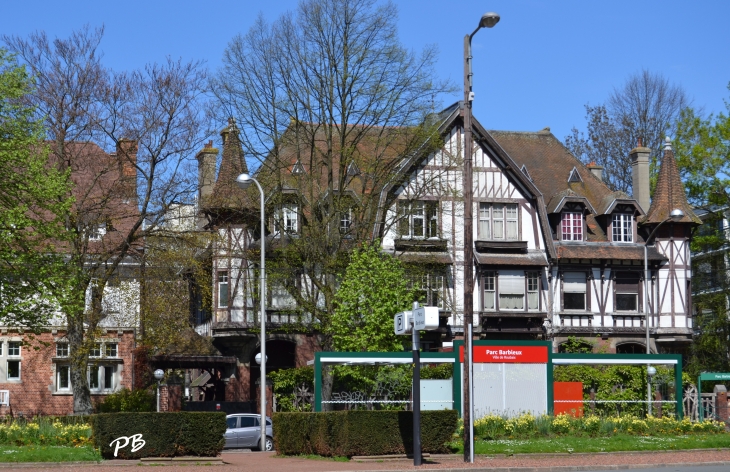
511 290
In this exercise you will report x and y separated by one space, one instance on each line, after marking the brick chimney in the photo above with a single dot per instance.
206 170
596 170
127 155
640 174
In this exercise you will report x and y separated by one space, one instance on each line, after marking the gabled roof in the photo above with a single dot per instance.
552 166
669 193
556 204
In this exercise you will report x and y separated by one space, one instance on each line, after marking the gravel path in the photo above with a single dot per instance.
268 462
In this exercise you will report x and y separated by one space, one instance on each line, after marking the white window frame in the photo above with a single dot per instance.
14 357
62 349
15 345
622 227
108 347
97 231
434 289
498 221
573 286
223 280
419 220
503 288
95 350
8 369
102 370
289 214
345 220
573 230
60 369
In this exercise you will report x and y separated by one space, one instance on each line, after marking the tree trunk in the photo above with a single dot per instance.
327 382
79 361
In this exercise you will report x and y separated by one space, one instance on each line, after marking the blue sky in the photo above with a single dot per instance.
538 67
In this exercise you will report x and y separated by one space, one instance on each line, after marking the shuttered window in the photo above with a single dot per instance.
574 290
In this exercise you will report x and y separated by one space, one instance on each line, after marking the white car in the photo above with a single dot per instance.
244 431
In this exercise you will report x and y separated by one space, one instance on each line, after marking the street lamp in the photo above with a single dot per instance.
159 374
674 215
651 372
244 181
488 20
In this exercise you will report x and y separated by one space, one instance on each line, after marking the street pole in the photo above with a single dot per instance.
416 392
488 20
244 181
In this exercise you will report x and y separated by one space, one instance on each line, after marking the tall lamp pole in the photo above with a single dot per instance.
244 181
488 20
674 215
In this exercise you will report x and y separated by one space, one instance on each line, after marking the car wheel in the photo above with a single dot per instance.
268 445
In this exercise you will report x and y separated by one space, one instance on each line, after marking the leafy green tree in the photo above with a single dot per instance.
374 289
702 147
33 202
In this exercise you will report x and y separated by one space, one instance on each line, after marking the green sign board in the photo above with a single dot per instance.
714 376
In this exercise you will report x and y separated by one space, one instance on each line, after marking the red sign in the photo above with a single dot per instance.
508 354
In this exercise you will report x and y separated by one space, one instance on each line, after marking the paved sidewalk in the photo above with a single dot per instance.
269 462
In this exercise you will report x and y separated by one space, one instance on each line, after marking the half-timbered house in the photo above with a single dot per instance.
557 253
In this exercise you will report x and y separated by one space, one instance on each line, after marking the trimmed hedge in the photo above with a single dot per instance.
184 433
361 433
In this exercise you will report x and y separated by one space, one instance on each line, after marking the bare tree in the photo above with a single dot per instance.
330 105
645 108
151 122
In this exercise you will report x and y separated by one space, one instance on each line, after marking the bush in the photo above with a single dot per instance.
184 433
129 401
369 433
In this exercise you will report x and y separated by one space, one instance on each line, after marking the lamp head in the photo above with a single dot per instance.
258 358
676 214
244 181
488 20
651 370
159 374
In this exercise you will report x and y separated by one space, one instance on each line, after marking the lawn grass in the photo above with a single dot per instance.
619 442
48 454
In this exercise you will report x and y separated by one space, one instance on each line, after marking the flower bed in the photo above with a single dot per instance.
44 432
527 426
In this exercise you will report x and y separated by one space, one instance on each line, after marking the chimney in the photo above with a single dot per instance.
127 155
596 170
640 174
206 170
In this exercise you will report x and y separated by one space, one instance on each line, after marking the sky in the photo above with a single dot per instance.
538 67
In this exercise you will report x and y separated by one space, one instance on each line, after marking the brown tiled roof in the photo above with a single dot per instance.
226 194
633 252
536 258
549 163
669 193
425 257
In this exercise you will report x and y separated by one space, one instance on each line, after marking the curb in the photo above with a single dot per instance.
566 468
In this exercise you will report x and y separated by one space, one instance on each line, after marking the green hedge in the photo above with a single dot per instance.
361 433
185 433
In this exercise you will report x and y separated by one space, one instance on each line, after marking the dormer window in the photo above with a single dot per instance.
572 226
287 218
623 228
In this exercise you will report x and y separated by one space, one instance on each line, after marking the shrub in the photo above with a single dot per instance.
351 433
164 434
129 401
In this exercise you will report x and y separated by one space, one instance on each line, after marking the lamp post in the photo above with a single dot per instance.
488 20
244 181
651 372
159 374
674 215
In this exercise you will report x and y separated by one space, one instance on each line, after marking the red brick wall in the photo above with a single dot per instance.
35 392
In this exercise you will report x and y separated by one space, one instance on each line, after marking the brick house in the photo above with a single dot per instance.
34 368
